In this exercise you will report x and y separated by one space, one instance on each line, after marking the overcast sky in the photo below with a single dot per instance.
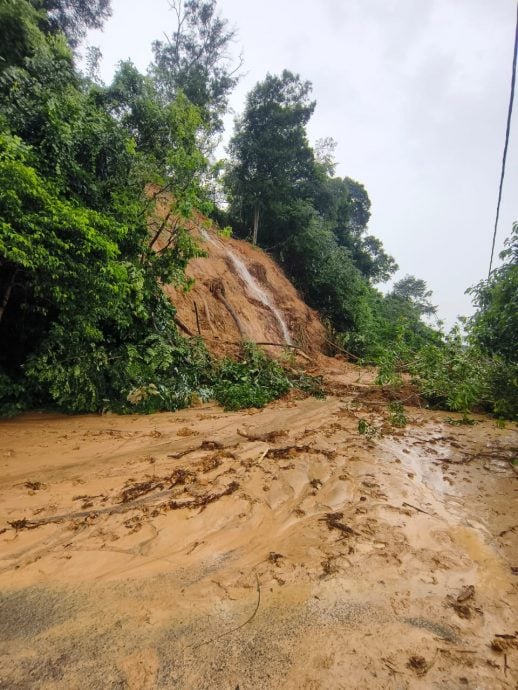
415 92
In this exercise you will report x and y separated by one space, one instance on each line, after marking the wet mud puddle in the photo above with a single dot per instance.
272 549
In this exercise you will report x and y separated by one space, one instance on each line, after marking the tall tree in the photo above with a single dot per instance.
74 17
271 160
414 292
195 59
344 205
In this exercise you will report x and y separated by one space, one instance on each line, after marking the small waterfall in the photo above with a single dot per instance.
252 286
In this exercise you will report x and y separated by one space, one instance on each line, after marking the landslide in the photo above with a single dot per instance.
260 549
228 303
274 548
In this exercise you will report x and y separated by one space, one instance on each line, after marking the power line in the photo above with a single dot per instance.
507 132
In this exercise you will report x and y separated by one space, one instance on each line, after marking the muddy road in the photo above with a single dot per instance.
267 549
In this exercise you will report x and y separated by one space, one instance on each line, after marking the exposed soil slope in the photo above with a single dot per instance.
270 549
219 290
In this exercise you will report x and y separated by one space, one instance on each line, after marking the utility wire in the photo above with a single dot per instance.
507 132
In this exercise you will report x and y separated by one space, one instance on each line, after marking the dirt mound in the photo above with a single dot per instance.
240 293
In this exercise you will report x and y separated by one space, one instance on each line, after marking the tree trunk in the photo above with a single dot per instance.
181 324
233 314
256 225
197 318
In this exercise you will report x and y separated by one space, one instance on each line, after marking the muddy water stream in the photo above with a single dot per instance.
263 549
251 285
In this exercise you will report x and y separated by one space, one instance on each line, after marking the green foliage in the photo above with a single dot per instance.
397 416
83 320
74 17
194 60
503 384
271 160
252 382
256 380
344 205
493 330
75 142
20 33
367 429
453 373
60 263
225 232
13 396
495 324
328 278
398 331
413 292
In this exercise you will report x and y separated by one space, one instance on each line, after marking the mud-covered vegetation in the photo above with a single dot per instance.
85 244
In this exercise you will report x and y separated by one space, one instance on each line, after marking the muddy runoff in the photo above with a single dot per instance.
265 549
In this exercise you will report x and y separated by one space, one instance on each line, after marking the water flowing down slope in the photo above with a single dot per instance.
240 293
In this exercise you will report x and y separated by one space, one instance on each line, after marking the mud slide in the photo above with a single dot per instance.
270 549
239 293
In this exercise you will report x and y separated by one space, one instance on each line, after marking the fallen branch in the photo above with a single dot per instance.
420 510
290 451
202 501
238 627
268 437
449 650
219 295
184 328
22 524
332 521
134 491
341 349
197 318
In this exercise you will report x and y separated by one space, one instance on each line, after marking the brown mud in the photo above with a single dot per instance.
223 307
262 549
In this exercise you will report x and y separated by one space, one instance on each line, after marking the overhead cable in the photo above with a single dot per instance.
507 132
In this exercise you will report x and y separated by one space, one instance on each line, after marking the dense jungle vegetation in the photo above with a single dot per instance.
84 249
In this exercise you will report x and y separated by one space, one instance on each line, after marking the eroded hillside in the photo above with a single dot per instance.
240 292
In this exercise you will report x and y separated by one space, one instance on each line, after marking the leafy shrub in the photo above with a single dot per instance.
503 385
252 382
225 232
257 380
454 376
397 416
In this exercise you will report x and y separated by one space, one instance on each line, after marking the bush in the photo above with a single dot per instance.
257 380
453 375
252 382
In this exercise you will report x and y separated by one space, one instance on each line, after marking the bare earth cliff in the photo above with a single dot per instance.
240 292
